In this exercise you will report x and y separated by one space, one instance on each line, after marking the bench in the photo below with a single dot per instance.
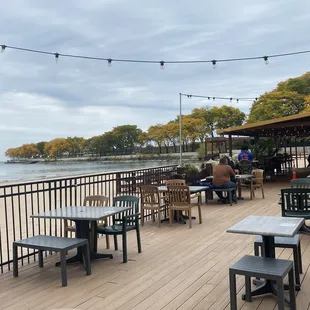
266 268
55 244
228 190
285 243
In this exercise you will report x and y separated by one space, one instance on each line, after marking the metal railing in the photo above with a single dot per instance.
20 200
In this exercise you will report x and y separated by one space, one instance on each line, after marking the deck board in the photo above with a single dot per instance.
180 268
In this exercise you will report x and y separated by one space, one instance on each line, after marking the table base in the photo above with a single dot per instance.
268 287
78 258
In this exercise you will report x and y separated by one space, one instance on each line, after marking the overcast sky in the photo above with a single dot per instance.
41 99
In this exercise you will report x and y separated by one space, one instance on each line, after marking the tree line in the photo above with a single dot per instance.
289 97
129 139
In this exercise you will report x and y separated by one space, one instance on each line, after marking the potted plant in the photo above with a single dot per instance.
192 173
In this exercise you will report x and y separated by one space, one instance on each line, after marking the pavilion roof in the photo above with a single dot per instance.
297 125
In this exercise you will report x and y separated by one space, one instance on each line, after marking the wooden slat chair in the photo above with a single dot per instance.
295 202
258 181
125 222
175 182
92 201
180 200
151 200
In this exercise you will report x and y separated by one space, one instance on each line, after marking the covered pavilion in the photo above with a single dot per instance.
290 133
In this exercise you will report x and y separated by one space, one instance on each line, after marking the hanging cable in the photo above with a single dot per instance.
214 62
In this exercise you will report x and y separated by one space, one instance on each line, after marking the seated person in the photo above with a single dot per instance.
221 178
245 154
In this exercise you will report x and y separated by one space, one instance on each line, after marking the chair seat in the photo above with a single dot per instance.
177 207
262 267
153 207
281 241
114 229
300 214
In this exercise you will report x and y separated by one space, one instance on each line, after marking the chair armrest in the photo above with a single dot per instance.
135 217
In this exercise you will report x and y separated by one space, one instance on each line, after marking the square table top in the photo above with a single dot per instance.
192 189
244 176
268 226
81 213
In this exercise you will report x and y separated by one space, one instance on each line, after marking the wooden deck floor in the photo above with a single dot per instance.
180 268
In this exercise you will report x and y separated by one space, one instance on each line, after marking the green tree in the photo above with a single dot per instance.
288 98
127 137
276 104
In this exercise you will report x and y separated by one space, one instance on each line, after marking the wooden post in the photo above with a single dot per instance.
296 153
230 145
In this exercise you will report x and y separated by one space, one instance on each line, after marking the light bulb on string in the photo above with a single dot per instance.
162 65
266 60
109 62
3 48
56 57
214 63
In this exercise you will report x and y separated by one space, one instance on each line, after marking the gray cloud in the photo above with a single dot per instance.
41 100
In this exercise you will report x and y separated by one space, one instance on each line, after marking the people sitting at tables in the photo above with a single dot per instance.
245 154
222 174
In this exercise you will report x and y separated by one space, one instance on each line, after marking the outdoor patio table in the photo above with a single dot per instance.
268 227
82 216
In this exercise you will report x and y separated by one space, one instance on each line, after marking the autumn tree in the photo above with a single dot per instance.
56 147
156 134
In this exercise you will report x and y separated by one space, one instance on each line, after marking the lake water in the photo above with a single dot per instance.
18 172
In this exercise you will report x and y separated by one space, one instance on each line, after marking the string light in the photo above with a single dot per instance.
213 62
162 65
220 98
109 62
56 57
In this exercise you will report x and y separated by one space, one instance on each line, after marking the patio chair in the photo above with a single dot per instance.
295 202
300 183
245 166
258 181
124 223
180 200
92 201
151 200
176 182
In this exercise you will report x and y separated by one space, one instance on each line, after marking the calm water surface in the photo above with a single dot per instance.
18 172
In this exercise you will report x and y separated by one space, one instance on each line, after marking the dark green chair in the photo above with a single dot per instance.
295 202
300 183
124 222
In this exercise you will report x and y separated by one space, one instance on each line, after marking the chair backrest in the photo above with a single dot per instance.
96 201
300 183
259 175
179 195
245 166
127 201
149 195
175 182
295 200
